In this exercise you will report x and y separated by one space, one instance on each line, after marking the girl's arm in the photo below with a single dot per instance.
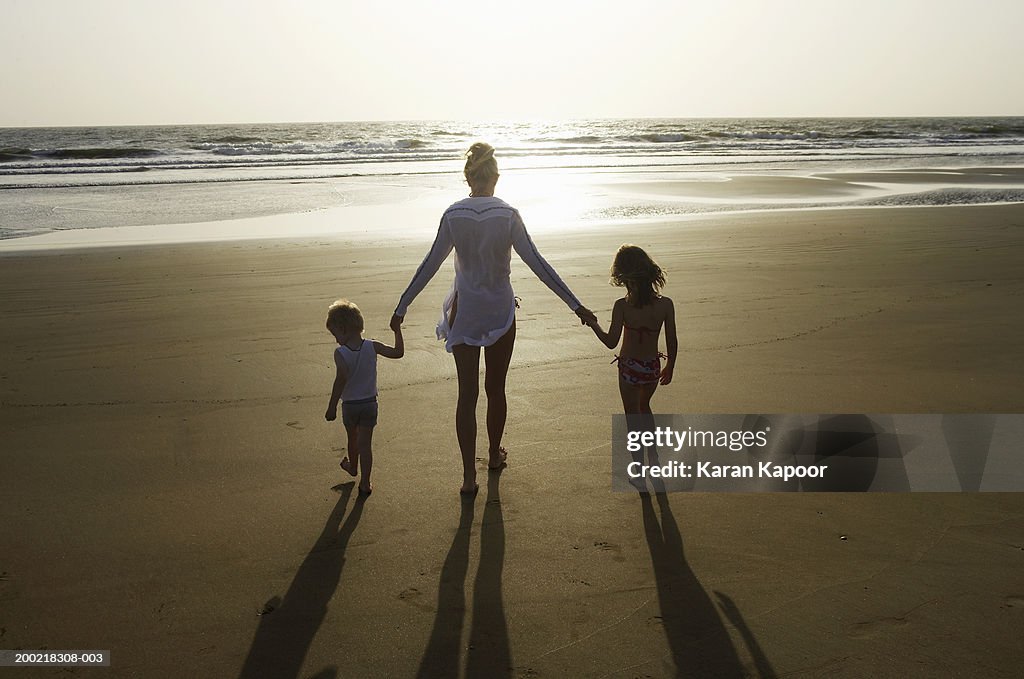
611 338
671 341
396 351
340 378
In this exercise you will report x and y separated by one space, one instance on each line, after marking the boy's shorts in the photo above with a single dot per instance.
361 413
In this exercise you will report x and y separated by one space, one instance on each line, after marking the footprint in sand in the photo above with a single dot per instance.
412 596
294 425
1014 601
609 547
407 594
272 604
873 628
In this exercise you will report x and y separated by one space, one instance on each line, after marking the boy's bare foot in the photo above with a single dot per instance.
365 490
347 465
469 491
498 458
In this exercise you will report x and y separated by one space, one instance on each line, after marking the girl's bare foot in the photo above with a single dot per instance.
498 458
347 465
365 490
469 491
639 484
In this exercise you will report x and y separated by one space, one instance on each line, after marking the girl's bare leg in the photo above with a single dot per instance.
636 402
496 361
628 396
467 365
643 400
644 394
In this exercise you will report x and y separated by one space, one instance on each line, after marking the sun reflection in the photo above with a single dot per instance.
549 199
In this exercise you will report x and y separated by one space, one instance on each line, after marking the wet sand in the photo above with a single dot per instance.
171 491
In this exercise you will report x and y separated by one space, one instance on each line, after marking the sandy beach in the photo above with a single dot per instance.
171 491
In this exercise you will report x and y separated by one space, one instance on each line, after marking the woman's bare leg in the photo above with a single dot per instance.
467 365
496 361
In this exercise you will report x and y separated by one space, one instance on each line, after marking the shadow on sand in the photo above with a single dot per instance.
287 627
489 653
697 638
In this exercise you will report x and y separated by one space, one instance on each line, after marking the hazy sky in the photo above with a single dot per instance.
111 62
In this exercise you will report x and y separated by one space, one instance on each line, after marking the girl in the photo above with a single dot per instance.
641 314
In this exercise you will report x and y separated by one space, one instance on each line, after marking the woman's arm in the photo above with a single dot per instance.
614 334
528 252
428 267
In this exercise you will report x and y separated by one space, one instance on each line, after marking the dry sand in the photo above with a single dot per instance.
168 476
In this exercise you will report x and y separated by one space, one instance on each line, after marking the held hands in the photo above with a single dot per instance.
396 322
586 316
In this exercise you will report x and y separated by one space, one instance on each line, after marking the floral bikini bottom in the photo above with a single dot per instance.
639 372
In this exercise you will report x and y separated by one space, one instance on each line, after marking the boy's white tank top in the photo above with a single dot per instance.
362 371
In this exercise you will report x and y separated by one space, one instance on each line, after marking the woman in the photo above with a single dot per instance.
480 309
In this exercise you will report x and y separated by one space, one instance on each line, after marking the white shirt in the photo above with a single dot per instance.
361 365
483 231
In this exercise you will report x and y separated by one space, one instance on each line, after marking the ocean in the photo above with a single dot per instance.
47 161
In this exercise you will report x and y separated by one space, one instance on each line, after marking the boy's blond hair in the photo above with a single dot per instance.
344 315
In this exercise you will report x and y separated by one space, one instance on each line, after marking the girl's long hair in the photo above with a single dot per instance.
634 270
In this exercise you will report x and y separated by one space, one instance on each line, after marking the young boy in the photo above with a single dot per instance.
355 384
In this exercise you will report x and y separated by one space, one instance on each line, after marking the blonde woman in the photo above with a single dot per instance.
480 309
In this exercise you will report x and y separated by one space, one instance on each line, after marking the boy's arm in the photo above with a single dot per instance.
611 338
396 351
671 341
340 378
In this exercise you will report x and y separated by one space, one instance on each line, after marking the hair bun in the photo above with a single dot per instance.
478 153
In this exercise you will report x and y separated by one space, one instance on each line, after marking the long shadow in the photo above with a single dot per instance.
764 667
441 658
286 629
489 653
697 638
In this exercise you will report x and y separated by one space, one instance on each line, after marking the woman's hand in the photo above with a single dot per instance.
396 322
586 316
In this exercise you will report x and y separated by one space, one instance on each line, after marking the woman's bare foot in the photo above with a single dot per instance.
469 491
365 490
498 458
347 465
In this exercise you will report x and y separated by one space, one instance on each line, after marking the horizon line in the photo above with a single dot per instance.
521 120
